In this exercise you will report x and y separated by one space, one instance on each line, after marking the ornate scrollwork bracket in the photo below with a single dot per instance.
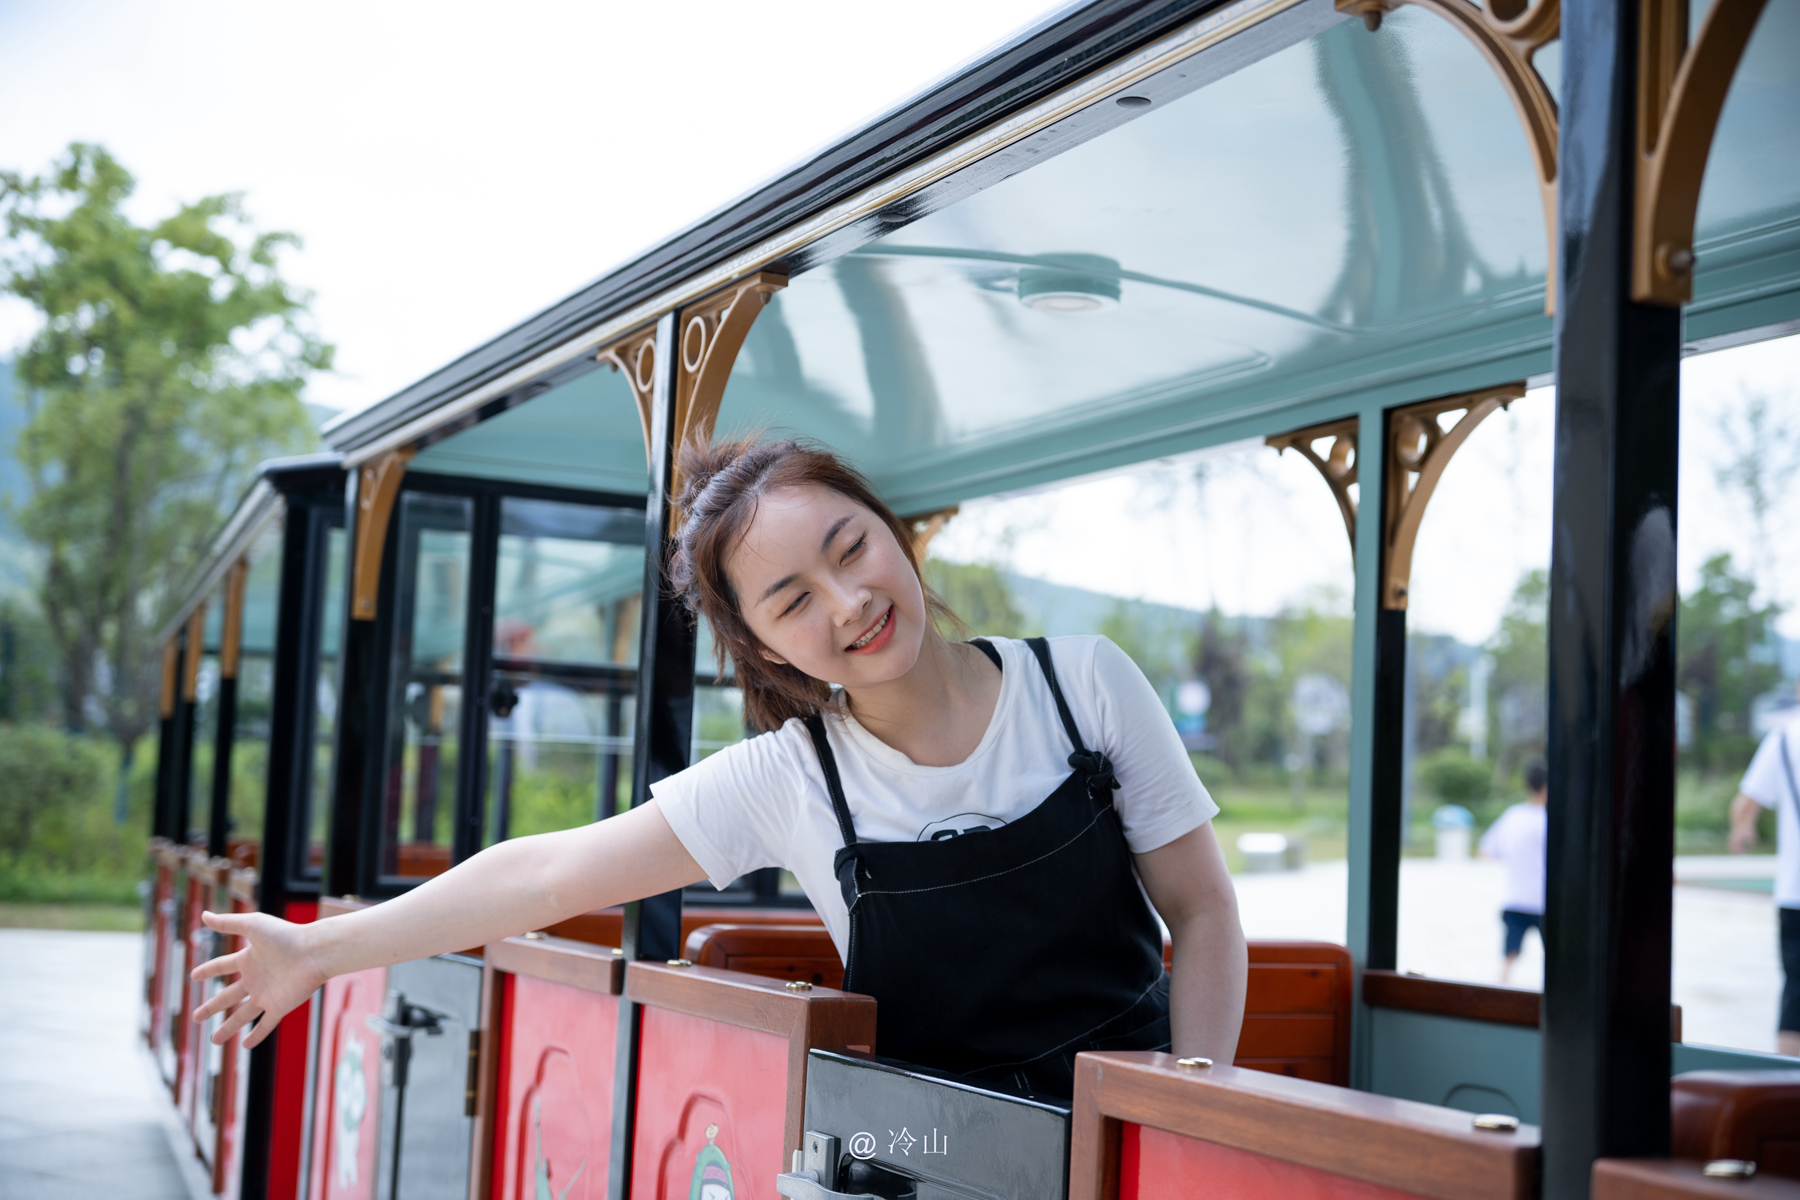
1681 91
1418 450
924 527
711 331
376 489
1337 464
1508 33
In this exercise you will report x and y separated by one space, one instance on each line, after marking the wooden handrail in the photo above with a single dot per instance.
1400 1144
1467 1001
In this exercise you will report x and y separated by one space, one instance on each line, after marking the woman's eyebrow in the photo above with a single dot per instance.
777 586
833 532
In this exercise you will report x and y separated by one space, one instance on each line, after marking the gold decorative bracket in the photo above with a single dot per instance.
1508 33
926 526
634 355
711 332
171 667
1418 450
1681 91
376 489
196 648
231 633
1337 464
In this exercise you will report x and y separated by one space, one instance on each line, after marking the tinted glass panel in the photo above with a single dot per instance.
324 700
567 605
206 723
255 699
432 544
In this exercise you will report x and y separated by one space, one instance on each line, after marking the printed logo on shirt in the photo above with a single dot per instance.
957 826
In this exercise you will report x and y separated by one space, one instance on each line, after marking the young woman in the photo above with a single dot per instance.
978 824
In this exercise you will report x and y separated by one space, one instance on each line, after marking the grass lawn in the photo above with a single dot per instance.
117 918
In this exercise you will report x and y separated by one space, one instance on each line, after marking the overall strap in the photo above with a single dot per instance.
987 648
815 725
1041 648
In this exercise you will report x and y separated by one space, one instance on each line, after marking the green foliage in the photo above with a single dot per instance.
58 840
976 593
1453 777
170 361
28 666
544 801
1726 661
1520 682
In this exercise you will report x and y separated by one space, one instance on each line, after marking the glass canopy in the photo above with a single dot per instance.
584 434
1355 215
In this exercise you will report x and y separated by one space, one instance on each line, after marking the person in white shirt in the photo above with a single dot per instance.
989 829
1773 781
1517 840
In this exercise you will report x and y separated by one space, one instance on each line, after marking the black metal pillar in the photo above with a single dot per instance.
311 492
664 733
162 817
181 767
218 823
1387 789
1611 629
352 736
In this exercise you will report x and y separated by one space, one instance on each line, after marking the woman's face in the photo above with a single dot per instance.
824 585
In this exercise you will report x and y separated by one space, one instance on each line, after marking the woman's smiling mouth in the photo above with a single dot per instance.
876 636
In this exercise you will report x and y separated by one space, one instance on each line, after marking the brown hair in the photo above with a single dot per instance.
724 482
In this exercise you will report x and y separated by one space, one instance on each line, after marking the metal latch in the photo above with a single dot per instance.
397 1035
815 1175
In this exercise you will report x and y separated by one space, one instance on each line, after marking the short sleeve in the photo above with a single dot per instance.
1766 781
1160 795
734 811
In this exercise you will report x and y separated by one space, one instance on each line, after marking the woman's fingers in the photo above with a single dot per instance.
225 964
246 1012
238 923
221 1000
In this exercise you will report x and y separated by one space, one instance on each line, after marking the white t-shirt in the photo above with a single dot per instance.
1767 783
1517 839
763 803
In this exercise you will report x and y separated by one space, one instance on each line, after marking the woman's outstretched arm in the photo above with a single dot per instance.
515 886
1192 890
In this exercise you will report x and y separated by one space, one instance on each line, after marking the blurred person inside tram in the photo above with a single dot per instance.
989 828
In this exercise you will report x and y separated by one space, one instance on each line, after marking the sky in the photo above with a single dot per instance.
455 167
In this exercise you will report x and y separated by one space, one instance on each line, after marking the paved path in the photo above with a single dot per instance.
80 1117
1727 976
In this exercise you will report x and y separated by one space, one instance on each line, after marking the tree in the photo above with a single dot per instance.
170 361
1725 660
1764 457
978 594
1520 649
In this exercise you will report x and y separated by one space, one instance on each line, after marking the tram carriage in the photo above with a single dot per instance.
1352 229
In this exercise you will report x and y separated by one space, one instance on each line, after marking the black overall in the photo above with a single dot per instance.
1000 954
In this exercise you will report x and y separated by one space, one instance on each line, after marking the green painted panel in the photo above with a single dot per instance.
1689 1057
1477 1066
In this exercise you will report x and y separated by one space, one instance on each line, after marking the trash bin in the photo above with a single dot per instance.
1453 824
1271 852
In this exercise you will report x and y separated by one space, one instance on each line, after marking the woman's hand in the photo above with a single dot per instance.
277 969
526 883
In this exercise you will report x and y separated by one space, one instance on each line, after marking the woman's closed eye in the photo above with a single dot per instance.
796 604
848 554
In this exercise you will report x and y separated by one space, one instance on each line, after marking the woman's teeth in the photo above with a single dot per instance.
868 637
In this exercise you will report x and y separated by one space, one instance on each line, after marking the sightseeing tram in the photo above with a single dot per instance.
1353 230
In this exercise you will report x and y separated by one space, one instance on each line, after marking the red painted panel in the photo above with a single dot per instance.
228 1160
162 914
347 1093
1155 1164
712 1099
287 1115
554 1101
189 1039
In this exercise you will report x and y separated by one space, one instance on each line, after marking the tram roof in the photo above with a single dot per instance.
1306 219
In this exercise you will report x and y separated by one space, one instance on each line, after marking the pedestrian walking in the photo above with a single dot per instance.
1773 781
1517 840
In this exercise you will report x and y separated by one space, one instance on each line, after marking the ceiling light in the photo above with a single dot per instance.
1070 283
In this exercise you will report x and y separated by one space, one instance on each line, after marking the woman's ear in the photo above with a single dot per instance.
773 657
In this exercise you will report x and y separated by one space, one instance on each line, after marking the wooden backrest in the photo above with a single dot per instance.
602 927
1296 1012
803 952
1752 1115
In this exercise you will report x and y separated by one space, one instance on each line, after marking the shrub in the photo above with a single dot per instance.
58 839
1455 778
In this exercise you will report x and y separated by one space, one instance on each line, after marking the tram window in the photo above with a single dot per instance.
433 543
317 795
1737 671
1477 705
567 606
205 731
255 701
1249 648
